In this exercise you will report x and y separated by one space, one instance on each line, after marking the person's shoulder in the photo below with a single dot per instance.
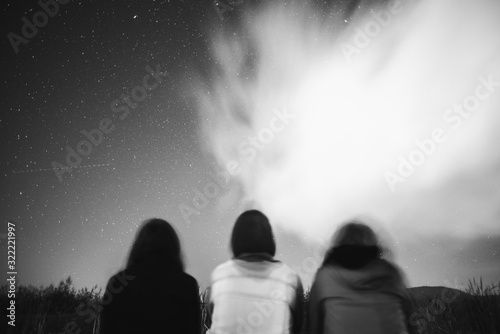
329 269
391 270
122 282
190 280
121 276
224 266
326 273
287 273
284 267
228 263
184 283
388 266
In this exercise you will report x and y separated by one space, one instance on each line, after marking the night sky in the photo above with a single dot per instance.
86 69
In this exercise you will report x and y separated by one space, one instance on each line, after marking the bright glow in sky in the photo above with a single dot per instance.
362 101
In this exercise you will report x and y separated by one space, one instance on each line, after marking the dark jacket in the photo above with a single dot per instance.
151 299
371 299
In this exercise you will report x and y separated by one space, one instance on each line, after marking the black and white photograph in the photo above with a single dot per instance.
250 166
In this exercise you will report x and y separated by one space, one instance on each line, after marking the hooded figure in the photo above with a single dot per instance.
355 291
253 292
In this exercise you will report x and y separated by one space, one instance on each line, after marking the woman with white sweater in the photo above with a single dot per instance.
253 292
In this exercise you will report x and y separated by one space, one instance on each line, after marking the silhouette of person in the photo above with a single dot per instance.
253 292
152 294
355 290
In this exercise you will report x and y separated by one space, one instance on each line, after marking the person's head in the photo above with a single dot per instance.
158 242
354 245
355 233
252 233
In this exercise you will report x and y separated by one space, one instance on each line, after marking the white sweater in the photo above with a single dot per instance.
253 297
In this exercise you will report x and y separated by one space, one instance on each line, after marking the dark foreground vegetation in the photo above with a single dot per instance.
63 309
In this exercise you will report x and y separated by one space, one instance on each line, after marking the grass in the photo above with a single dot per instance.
476 310
49 309
53 309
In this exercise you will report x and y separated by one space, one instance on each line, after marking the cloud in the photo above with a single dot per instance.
359 116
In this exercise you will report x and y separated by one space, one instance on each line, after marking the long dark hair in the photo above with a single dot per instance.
252 233
354 245
156 244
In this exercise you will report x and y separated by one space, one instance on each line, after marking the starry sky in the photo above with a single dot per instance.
84 70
